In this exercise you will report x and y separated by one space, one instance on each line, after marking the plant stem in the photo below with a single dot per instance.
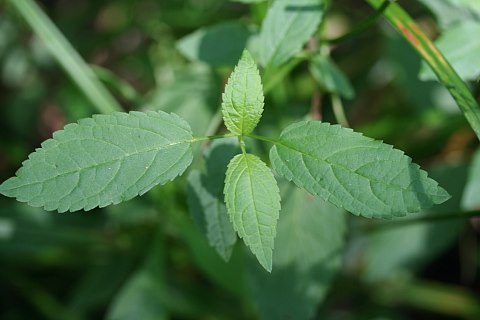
426 219
66 56
338 111
213 137
407 27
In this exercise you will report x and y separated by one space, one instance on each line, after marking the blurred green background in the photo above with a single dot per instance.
147 259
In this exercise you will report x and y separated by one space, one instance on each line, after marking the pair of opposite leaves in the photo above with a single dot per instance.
108 159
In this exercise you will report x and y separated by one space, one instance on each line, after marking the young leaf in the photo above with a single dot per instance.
308 247
287 27
253 203
242 101
206 200
330 77
364 176
103 160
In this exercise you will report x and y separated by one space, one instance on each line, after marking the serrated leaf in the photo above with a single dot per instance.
206 200
287 27
218 45
460 49
242 101
103 160
330 77
253 203
362 175
307 255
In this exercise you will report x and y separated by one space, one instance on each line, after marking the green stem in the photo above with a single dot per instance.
262 138
362 26
273 76
66 56
338 111
434 297
213 137
407 27
426 219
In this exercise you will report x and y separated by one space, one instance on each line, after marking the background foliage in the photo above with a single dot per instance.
149 258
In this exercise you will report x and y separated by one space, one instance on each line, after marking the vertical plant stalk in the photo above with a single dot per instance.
407 27
338 111
66 56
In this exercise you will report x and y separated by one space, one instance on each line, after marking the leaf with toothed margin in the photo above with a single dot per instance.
253 203
242 101
103 160
362 175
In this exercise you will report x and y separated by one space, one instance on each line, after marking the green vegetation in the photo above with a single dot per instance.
277 172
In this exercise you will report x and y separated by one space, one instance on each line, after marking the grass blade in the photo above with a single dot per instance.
66 56
407 27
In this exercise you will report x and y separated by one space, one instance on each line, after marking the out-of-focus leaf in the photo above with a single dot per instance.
307 256
206 200
330 78
286 28
143 294
218 45
450 12
471 194
193 94
460 49
406 248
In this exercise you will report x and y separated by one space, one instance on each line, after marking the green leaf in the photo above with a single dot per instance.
287 27
253 203
218 45
242 101
470 198
460 49
450 12
103 160
144 294
139 299
198 106
206 200
308 250
364 176
330 77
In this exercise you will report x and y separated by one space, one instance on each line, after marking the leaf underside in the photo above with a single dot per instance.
242 101
286 28
253 203
362 175
103 160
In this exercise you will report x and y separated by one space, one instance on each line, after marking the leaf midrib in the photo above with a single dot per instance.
123 158
281 143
